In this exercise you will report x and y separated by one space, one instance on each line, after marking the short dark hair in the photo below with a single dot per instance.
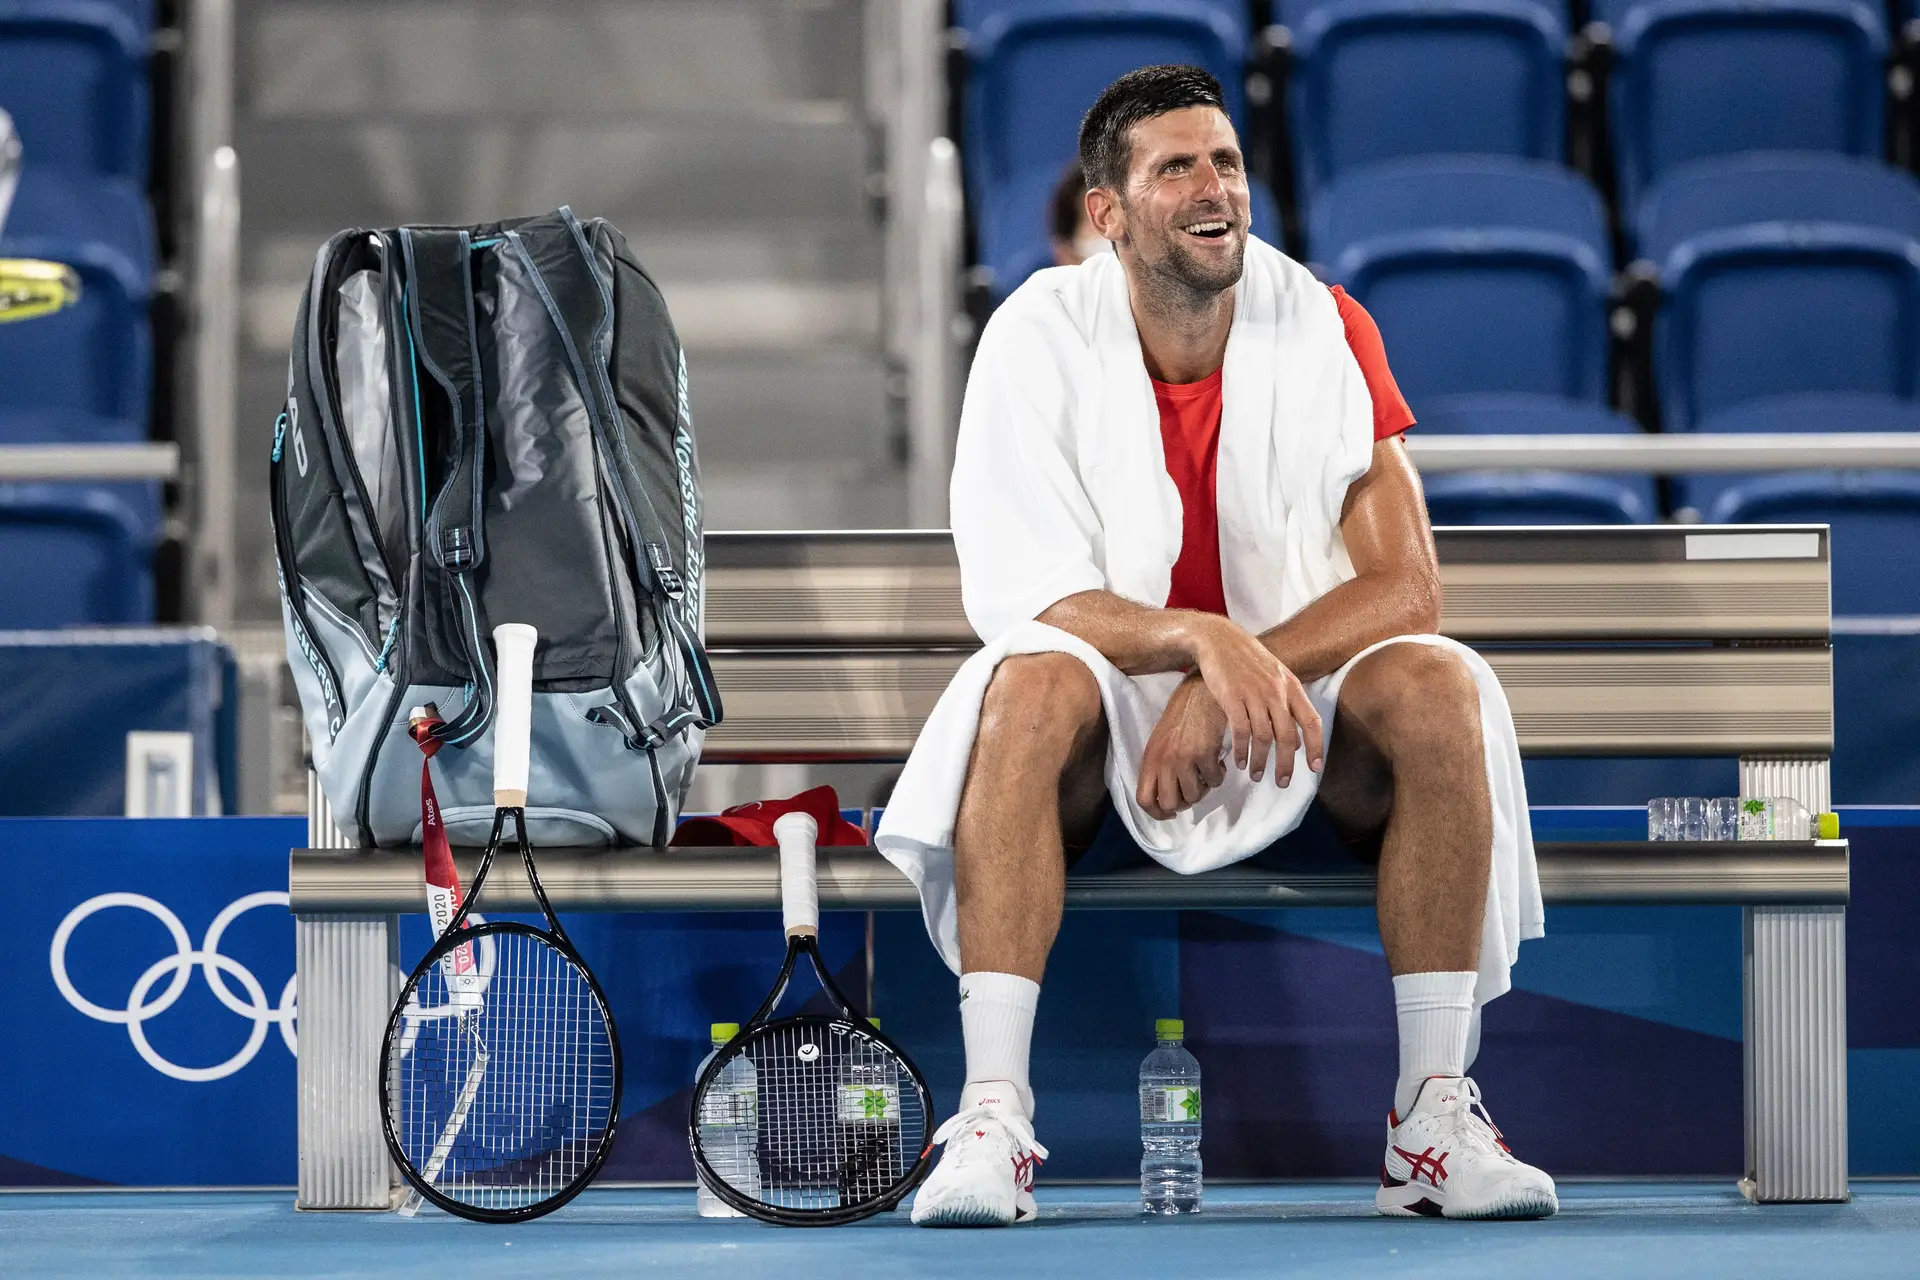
1068 205
1106 144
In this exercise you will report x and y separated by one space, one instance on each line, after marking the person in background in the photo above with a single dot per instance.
1074 239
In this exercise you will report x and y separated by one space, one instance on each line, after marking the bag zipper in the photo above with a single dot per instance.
290 585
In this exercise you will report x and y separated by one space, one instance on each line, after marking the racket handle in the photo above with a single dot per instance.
513 644
799 895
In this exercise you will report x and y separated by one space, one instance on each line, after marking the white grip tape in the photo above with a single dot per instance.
513 644
799 896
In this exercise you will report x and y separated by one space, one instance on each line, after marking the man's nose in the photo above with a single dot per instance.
1213 187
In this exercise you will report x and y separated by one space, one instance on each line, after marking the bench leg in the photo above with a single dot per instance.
346 967
1796 1053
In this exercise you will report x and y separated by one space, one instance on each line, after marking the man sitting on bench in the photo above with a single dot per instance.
1190 537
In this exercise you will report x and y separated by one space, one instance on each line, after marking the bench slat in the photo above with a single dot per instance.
903 587
828 705
339 882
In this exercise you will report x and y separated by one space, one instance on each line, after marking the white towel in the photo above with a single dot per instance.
1060 486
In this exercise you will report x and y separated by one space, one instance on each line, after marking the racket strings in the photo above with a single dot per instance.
502 1097
839 1119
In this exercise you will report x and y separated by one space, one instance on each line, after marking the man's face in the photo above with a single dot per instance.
1185 210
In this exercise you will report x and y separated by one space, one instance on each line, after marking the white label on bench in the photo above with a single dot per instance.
1753 546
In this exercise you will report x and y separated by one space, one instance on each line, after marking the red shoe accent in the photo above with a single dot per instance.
1426 1165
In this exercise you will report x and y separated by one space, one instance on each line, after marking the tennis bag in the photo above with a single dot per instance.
490 424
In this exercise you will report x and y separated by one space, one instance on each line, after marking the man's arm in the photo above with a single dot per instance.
1250 690
1395 589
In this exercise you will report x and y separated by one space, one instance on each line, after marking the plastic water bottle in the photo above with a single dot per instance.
869 1116
730 1126
1170 1124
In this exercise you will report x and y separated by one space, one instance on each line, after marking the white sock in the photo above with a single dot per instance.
996 1022
1436 1014
1473 1042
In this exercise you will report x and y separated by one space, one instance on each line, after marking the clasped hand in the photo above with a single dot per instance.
1237 685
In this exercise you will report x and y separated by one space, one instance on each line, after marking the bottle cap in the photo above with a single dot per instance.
723 1031
874 1022
1169 1029
1829 826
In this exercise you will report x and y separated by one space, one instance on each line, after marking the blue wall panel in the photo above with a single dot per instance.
1290 1013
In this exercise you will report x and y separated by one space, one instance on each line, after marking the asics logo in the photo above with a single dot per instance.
1425 1165
178 970
1023 1167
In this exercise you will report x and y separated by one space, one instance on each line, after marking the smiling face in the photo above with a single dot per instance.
1184 214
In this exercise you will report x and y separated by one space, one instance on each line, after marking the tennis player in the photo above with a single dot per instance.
1199 559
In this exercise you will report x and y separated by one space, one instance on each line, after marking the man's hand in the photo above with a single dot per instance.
1264 702
1186 756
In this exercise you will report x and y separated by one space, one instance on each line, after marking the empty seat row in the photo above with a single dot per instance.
73 83
1377 80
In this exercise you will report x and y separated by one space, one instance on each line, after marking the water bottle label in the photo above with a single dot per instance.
1176 1104
869 1104
722 1107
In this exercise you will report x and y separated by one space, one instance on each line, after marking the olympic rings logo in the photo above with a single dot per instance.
178 970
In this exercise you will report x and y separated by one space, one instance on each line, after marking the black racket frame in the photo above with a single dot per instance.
457 935
849 1023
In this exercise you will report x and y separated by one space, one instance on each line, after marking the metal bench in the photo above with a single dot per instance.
1650 641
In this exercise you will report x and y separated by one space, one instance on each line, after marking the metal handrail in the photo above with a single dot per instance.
1668 454
96 462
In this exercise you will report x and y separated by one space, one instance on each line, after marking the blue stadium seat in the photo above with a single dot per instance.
72 556
73 74
141 498
51 204
969 14
1875 514
1531 497
1014 235
1035 68
1700 78
1484 273
97 356
1783 274
1380 79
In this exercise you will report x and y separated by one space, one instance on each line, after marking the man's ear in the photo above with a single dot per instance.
1105 215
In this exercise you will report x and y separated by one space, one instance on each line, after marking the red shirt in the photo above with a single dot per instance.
1190 435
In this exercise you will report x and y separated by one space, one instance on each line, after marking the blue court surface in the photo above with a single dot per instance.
1297 1229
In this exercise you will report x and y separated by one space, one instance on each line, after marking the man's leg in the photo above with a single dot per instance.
1406 764
1034 785
1034 788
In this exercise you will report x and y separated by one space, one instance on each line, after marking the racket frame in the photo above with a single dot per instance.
457 934
807 944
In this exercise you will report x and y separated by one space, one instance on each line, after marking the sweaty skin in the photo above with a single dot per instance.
1405 763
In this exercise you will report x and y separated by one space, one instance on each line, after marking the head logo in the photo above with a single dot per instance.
178 970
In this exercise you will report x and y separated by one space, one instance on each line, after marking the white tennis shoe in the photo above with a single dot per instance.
985 1176
1446 1160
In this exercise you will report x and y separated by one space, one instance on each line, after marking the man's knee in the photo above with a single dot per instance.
1044 699
1414 693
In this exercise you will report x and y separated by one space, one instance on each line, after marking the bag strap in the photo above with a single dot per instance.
440 319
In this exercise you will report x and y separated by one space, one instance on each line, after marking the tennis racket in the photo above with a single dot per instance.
810 1120
501 1062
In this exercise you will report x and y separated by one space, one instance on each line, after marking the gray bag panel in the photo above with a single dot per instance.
366 396
576 766
550 560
